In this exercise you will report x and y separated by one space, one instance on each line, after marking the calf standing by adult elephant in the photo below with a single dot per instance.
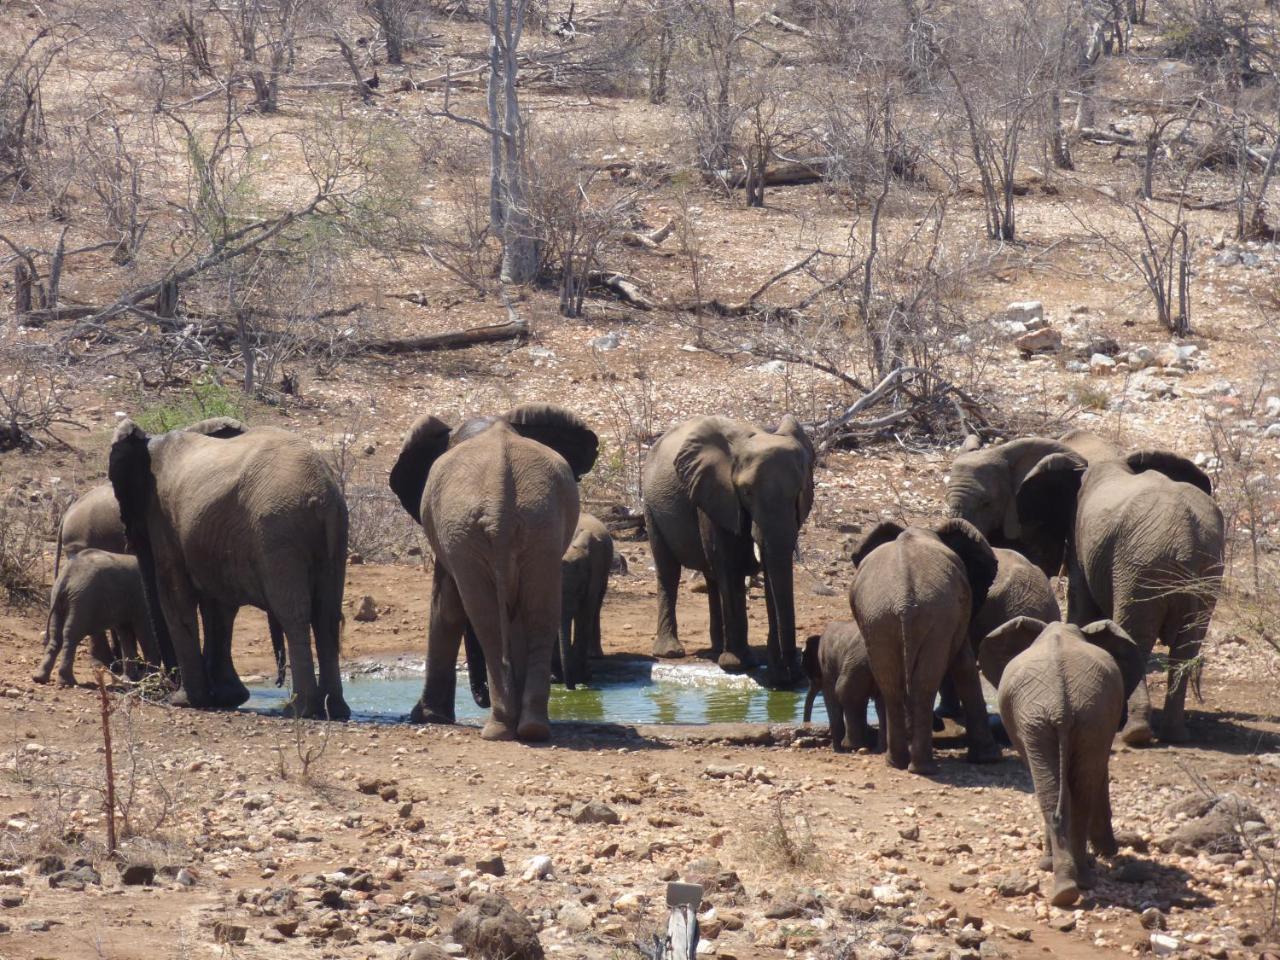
913 596
498 500
1145 544
715 491
224 518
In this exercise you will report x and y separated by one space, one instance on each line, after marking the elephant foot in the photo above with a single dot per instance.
1174 733
423 714
1046 863
228 695
925 768
1065 893
480 694
667 648
533 731
497 730
1137 734
732 663
939 723
181 698
896 761
66 680
41 676
336 708
986 753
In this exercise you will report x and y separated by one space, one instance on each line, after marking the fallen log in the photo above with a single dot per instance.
453 340
38 318
792 173
624 288
1106 136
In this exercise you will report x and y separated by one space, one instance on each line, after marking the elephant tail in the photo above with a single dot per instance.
1064 754
57 555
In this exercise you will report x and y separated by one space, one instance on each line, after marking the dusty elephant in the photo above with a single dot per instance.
1144 541
839 668
584 581
1020 589
913 596
982 487
222 517
96 591
1062 692
715 491
498 500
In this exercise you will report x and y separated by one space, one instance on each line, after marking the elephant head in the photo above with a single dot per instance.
959 536
430 437
1005 642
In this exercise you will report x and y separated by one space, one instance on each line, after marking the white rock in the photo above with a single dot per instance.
1162 944
889 895
1141 358
610 341
539 868
1101 363
1024 310
1273 407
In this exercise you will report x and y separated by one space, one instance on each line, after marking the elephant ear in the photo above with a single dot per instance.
1089 445
886 531
1004 643
980 564
129 470
220 428
812 663
428 438
704 464
559 429
1127 654
790 427
1176 468
1046 503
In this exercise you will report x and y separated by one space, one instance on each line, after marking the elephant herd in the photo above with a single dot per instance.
198 522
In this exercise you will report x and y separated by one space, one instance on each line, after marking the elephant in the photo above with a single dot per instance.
96 591
222 517
983 484
93 522
914 593
498 500
1062 691
1020 589
838 666
1144 542
584 580
715 491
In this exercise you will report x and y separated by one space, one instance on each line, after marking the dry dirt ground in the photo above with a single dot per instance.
274 839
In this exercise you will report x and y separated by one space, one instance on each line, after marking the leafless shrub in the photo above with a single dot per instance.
631 418
21 104
307 741
24 533
33 396
787 841
113 173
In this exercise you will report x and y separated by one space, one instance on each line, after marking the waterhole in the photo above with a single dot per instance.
634 692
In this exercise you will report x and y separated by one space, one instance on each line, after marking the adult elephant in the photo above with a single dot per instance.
498 500
222 517
913 597
715 491
1062 692
1144 541
983 484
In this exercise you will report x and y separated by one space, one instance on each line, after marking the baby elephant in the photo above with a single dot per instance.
1063 692
837 665
584 580
96 591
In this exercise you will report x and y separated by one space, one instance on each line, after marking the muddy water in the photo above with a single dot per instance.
639 692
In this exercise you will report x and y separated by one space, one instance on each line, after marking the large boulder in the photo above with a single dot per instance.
495 930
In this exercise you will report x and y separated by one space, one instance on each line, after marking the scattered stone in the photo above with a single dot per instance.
783 910
594 812
1211 825
424 951
1131 839
1141 357
538 868
911 833
286 928
493 930
366 612
493 866
574 918
138 875
1100 363
1063 923
1016 885
610 341
185 877
1152 919
1162 944
1043 340
75 879
969 938
1024 311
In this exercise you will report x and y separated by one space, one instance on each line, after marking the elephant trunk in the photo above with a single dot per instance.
778 573
808 701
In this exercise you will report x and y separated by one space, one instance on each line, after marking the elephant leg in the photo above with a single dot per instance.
715 617
474 583
666 644
1101 834
731 595
920 705
100 648
1137 622
855 719
326 628
477 672
964 672
580 648
539 620
1082 608
949 708
1079 817
129 660
1041 753
882 741
1184 652
597 636
895 724
560 652
836 721
178 607
74 629
52 647
278 648
445 629
226 690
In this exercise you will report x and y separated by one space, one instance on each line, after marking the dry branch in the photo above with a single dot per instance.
454 340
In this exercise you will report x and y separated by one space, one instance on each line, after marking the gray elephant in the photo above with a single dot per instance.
715 491
1020 589
93 522
221 517
983 484
584 581
94 592
498 500
1062 692
1144 542
913 597
840 669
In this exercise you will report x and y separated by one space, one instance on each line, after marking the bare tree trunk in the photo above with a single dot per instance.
519 245
392 29
1061 147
